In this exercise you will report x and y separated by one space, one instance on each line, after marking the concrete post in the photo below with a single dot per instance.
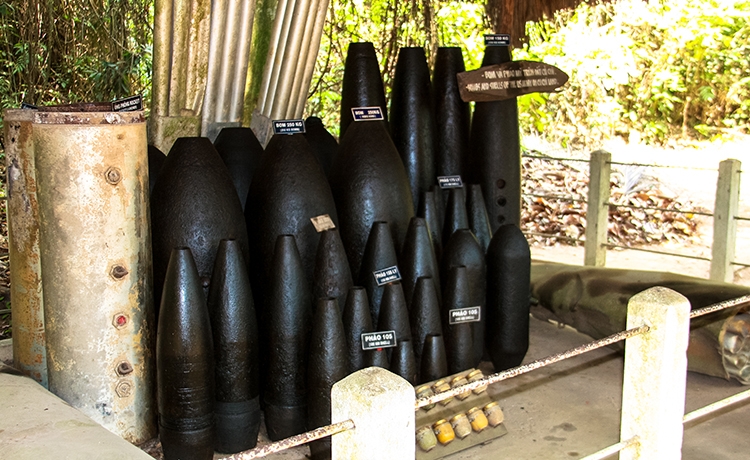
381 405
597 213
725 225
653 396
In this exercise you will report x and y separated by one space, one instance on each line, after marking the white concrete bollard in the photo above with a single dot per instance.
653 396
381 405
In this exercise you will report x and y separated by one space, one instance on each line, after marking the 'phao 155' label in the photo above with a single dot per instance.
450 181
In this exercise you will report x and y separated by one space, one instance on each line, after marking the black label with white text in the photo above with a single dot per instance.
375 340
465 315
387 275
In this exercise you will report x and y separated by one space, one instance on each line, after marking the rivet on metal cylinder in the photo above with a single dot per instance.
113 175
120 321
118 272
124 368
123 389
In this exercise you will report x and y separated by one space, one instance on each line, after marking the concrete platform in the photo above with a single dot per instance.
564 411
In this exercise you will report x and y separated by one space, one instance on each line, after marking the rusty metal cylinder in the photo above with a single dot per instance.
23 247
92 177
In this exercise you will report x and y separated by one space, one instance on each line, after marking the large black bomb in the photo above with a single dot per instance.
459 337
323 144
289 188
393 313
463 250
434 363
508 281
417 258
379 255
357 321
242 153
286 317
235 333
362 85
432 215
327 365
156 159
369 184
332 277
452 115
424 317
495 152
455 214
403 363
479 221
194 205
184 363
411 118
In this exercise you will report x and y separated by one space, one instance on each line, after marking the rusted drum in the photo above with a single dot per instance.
92 176
23 247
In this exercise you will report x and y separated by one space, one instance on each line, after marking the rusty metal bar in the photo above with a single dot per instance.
557 197
679 211
542 157
738 302
516 371
718 405
611 450
663 166
552 235
742 218
293 441
664 253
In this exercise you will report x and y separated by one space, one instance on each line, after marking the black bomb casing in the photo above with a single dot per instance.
459 341
194 205
331 277
411 119
286 318
362 85
452 115
369 184
184 363
508 287
417 258
495 151
357 321
424 317
242 153
234 328
323 144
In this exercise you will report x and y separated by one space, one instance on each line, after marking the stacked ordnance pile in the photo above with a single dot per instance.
279 271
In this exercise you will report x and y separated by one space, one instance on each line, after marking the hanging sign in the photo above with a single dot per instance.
288 126
497 40
508 80
375 340
367 113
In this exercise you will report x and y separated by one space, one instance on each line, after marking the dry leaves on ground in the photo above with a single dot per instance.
642 212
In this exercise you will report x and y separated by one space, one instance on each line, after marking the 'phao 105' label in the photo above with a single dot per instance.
375 340
387 275
288 126
450 181
465 315
367 113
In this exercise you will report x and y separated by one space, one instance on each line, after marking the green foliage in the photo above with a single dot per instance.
656 69
64 51
389 26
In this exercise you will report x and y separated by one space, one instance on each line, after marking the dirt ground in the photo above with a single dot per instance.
691 176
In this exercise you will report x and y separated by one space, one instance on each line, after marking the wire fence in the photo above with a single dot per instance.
725 215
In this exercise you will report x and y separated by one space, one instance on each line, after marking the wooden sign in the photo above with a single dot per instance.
508 80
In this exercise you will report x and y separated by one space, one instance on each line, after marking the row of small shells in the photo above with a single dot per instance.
461 425
440 386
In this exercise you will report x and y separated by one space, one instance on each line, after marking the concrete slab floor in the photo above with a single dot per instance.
571 409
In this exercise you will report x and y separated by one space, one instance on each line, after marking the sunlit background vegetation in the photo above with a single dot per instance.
644 70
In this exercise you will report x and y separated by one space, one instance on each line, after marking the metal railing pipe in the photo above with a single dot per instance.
297 102
718 405
162 57
228 60
216 43
239 79
275 55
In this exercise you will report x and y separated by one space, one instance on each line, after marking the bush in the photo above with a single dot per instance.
659 69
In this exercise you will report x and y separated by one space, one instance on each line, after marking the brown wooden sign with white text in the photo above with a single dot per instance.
508 80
